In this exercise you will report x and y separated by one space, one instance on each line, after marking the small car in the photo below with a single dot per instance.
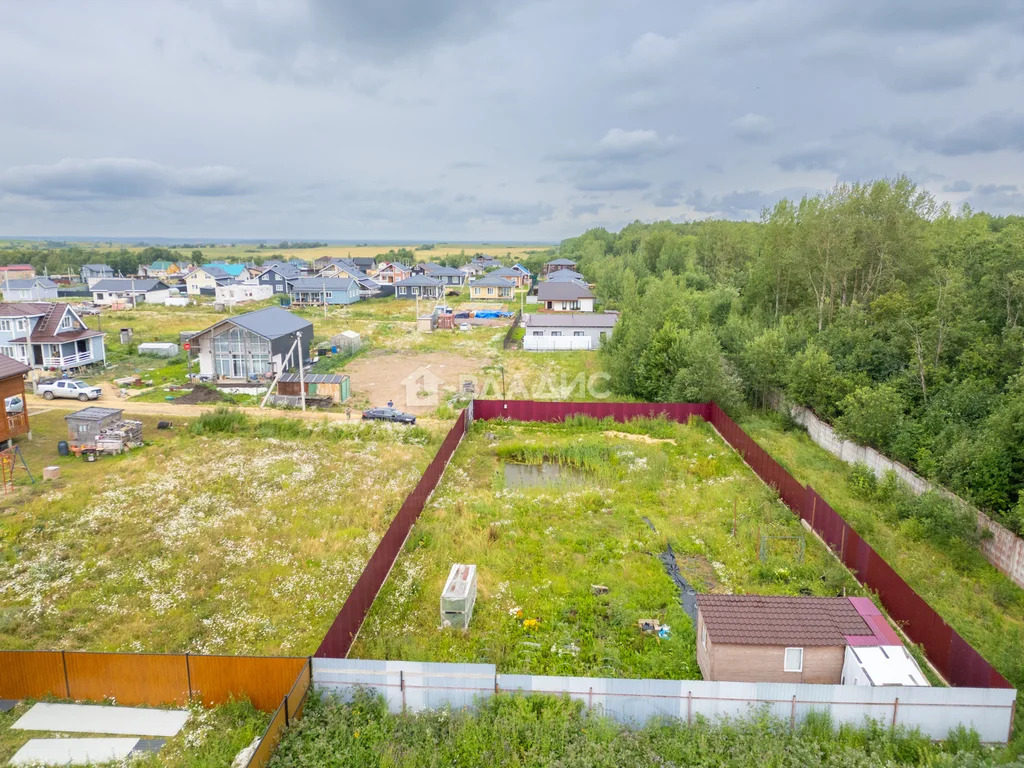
74 388
464 326
388 414
14 404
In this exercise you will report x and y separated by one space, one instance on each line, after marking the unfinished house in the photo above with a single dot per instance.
13 410
256 344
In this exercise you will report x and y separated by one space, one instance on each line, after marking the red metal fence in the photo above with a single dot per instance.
346 626
954 657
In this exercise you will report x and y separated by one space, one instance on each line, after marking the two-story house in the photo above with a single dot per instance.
279 277
204 280
43 335
90 273
450 276
392 273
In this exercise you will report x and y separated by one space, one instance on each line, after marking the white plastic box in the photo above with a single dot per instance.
459 596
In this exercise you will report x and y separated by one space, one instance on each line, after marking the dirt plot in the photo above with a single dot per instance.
380 376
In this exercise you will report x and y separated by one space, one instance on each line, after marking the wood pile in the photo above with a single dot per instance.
120 436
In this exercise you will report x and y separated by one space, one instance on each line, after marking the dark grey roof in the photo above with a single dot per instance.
573 320
10 367
314 378
564 274
398 265
28 282
506 272
493 281
322 283
97 267
127 284
561 263
422 281
94 413
439 269
271 323
563 290
285 270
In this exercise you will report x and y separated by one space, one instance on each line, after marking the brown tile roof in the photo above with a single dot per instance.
23 308
9 367
791 621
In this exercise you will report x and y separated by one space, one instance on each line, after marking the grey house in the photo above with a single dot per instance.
90 272
31 289
566 331
419 285
280 277
447 275
253 345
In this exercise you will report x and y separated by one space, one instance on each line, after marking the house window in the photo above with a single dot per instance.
490 291
67 322
100 296
704 635
21 324
538 333
574 305
9 351
6 325
556 333
578 333
794 660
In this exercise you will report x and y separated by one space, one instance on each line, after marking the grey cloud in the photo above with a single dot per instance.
621 146
586 209
746 204
119 177
989 133
614 184
958 186
669 195
811 159
995 189
753 127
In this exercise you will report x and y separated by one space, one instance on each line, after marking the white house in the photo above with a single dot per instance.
567 296
32 289
133 291
561 331
48 335
243 292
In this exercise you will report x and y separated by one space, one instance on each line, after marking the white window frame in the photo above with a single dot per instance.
704 635
785 660
579 333
6 325
8 350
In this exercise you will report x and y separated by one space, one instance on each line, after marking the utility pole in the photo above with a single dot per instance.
323 291
302 376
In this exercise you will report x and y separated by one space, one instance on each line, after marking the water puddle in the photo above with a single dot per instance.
545 474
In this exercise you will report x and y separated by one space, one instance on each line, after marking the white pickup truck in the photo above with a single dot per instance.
51 388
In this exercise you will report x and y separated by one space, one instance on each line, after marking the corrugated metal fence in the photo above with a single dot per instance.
413 686
954 657
346 626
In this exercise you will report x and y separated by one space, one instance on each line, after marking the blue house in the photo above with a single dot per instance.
280 277
324 290
48 335
90 272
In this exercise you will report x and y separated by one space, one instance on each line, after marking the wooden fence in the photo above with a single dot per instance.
147 679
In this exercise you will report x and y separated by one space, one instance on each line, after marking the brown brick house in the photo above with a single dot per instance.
755 638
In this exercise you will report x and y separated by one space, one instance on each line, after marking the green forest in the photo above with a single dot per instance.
894 318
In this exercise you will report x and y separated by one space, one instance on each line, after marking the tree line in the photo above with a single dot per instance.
895 318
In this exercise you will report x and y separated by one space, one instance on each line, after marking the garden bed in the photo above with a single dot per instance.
544 549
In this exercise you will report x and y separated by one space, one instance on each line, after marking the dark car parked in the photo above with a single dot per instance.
389 414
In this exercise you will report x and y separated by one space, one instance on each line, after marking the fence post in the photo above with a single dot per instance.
792 714
1013 715
188 673
67 685
689 707
895 710
814 508
287 720
842 541
401 684
590 698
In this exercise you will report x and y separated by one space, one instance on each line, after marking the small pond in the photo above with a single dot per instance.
547 473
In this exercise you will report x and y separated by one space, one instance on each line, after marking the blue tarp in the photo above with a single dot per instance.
492 314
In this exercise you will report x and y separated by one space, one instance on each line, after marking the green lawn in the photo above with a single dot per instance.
538 550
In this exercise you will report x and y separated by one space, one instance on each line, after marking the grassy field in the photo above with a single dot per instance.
634 488
545 732
984 606
210 739
244 251
228 535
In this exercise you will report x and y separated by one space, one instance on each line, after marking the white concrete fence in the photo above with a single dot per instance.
415 686
556 343
1004 550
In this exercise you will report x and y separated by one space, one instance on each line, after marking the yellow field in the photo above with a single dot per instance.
249 250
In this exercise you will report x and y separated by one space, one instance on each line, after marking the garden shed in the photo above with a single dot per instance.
332 385
84 426
346 342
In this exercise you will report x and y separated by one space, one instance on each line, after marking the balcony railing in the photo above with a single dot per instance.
17 424
68 361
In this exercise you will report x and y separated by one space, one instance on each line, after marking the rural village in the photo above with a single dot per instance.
458 384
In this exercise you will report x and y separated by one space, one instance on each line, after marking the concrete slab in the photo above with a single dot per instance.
72 751
6 705
93 718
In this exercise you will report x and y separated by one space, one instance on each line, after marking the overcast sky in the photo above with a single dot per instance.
489 119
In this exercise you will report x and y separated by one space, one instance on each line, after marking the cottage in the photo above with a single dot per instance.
123 289
450 276
204 280
568 330
90 273
512 275
392 273
29 289
341 268
255 344
325 290
419 285
279 277
159 269
565 275
485 262
12 385
565 296
556 264
333 385
17 272
471 270
367 264
491 287
48 335
753 638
